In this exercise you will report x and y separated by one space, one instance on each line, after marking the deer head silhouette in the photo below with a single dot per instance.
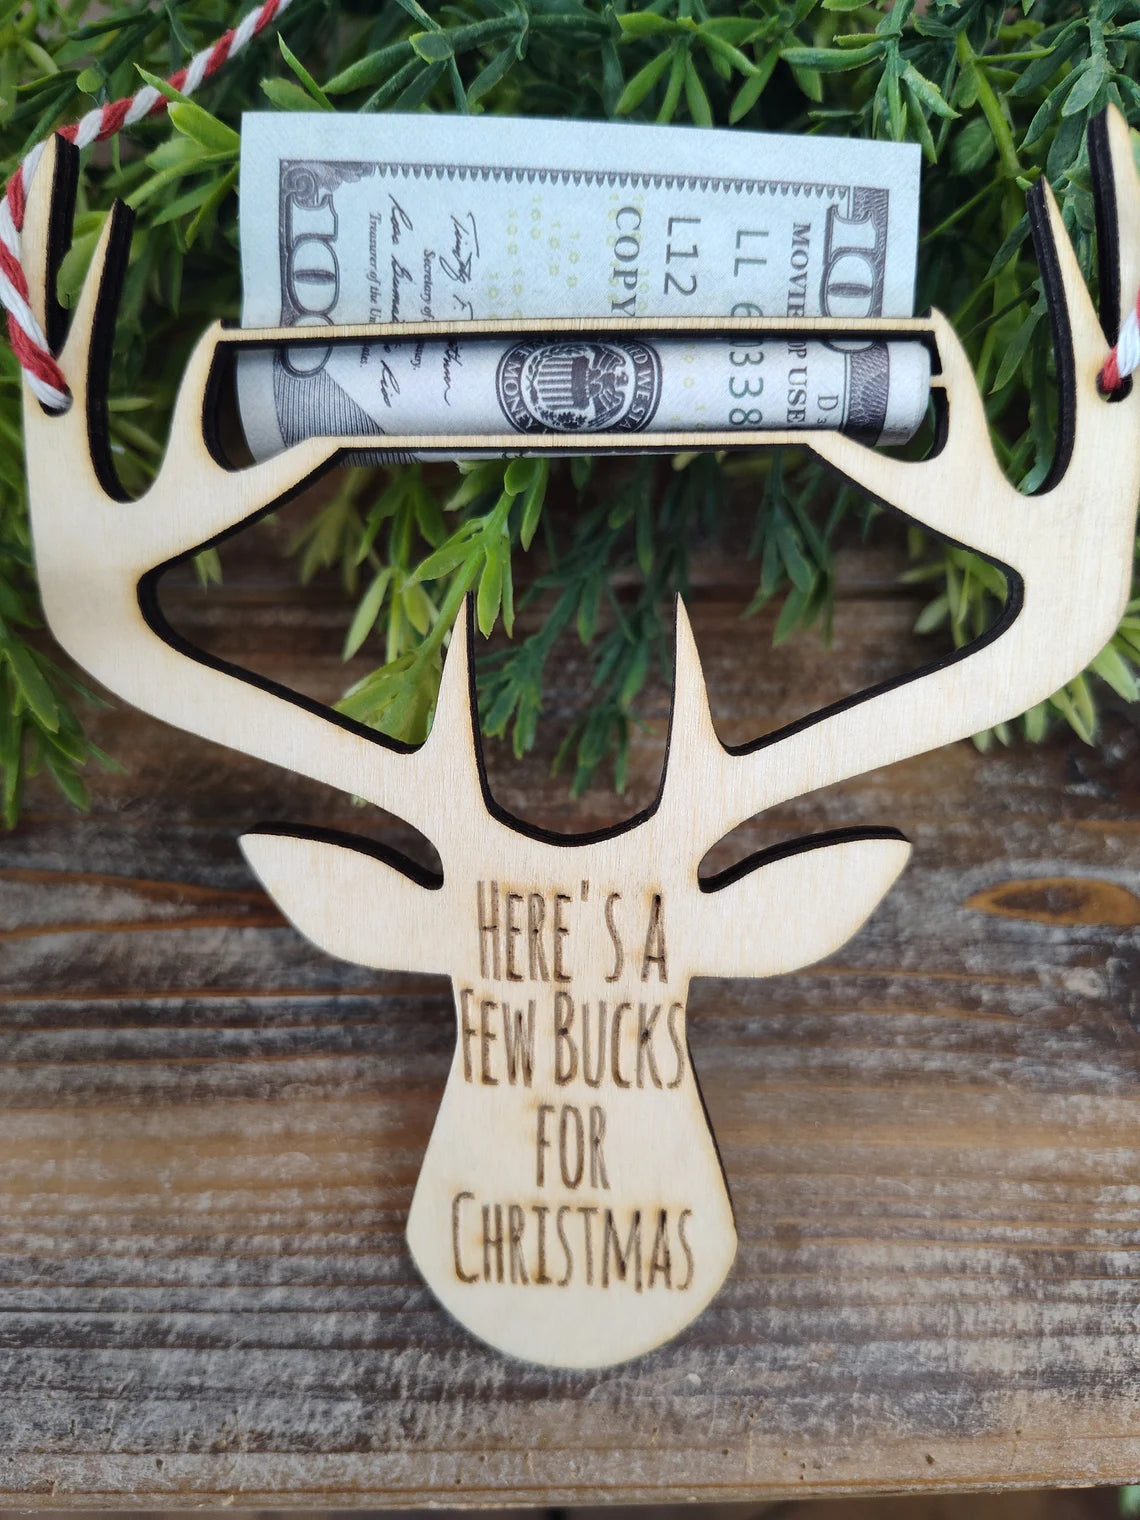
571 1208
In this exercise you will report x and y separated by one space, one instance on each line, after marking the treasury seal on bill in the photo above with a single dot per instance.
579 386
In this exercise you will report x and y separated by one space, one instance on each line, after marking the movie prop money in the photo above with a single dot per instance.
874 391
389 219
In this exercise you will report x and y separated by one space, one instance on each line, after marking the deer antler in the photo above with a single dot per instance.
99 557
1067 552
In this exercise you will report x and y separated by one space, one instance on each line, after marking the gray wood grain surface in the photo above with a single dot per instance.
209 1135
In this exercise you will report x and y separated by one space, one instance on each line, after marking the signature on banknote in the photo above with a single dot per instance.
456 263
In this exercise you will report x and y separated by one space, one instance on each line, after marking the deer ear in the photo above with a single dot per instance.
357 901
788 908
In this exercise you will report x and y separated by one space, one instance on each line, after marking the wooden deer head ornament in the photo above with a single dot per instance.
571 1208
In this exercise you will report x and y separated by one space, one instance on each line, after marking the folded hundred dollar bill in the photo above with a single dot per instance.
348 219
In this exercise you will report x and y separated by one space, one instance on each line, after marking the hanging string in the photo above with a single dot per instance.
1124 357
24 331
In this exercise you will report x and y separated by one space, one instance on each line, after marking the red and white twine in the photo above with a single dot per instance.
24 331
27 336
1124 357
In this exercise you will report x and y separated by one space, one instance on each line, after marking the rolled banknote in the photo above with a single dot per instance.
390 219
602 384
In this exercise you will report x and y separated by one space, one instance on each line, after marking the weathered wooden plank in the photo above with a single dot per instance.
209 1135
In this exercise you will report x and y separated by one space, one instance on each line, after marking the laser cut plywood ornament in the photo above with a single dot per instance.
571 1209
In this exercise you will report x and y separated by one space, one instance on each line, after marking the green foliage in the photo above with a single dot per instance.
643 522
996 97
